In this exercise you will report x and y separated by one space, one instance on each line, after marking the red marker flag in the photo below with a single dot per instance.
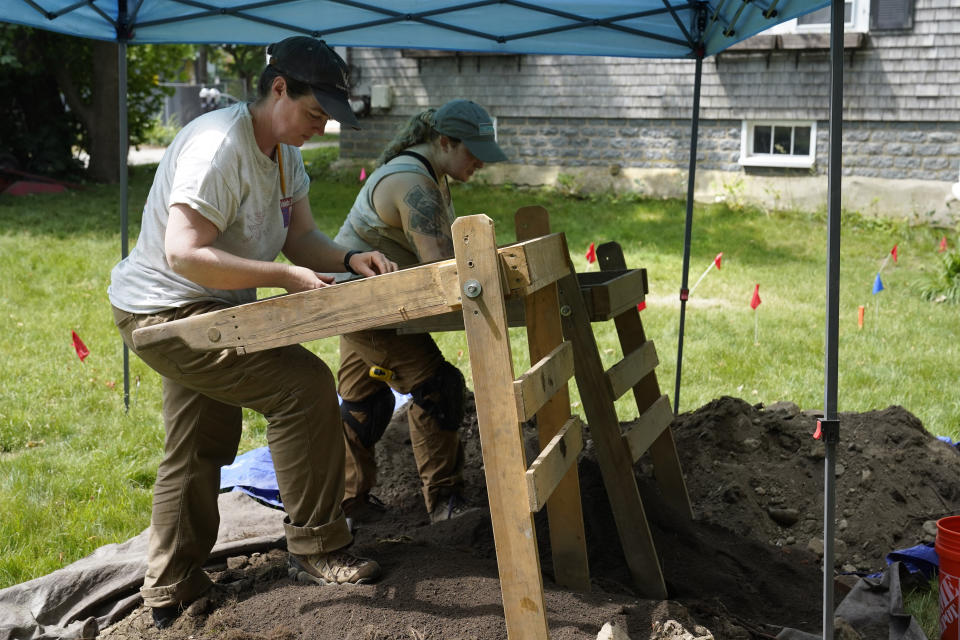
82 351
363 174
591 254
755 301
715 263
943 244
893 252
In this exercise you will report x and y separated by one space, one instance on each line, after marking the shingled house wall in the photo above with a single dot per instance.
901 103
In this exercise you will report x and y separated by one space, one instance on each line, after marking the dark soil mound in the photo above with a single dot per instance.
746 566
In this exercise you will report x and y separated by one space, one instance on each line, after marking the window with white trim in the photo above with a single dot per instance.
856 17
791 144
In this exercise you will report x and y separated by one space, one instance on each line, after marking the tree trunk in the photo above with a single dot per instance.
99 111
200 65
101 118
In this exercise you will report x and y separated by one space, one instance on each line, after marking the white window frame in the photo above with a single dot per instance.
859 22
750 159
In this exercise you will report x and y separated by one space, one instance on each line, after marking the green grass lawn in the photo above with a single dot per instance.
76 470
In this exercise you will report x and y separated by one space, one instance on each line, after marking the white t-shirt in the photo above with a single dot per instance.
215 167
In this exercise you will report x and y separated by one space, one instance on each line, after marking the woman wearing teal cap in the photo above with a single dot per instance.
405 211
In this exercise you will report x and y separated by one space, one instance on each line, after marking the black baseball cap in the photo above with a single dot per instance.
311 61
467 121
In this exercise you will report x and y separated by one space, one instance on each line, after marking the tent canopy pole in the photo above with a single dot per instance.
122 36
688 225
830 428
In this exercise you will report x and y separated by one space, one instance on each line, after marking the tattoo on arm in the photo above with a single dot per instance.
427 217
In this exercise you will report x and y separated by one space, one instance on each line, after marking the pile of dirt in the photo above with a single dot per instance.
747 565
759 472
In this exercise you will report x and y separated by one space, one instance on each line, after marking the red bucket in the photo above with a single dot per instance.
948 551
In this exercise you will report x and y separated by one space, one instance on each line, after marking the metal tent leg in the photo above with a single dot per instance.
122 124
688 226
831 435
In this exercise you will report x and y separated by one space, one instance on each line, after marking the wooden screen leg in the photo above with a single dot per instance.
564 509
613 456
485 324
663 451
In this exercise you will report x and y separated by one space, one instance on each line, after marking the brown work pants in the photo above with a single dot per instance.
413 359
203 393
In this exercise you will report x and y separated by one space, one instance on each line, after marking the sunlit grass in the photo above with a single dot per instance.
923 604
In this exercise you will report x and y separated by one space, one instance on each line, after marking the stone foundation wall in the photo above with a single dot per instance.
898 151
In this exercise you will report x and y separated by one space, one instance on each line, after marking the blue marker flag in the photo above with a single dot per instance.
877 285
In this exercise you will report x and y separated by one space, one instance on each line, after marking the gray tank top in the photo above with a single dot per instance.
364 230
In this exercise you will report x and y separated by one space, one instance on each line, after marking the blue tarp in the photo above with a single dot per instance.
920 559
252 472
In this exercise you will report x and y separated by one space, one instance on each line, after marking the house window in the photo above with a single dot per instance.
778 144
856 17
821 17
891 14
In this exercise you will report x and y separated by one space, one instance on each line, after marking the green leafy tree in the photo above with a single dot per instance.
148 65
82 77
245 62
37 131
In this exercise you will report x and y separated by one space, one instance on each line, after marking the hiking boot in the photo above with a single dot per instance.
336 567
450 507
364 509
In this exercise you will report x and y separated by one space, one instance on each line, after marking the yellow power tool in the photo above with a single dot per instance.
381 373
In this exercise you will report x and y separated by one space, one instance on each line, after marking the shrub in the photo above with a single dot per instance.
158 134
943 285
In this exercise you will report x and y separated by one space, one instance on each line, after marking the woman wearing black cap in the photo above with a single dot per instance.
230 194
405 210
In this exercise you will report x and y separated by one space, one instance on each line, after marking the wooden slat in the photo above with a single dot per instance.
485 324
568 543
666 461
310 315
525 266
554 461
648 427
418 292
613 456
534 388
453 320
449 283
535 263
635 366
531 222
613 292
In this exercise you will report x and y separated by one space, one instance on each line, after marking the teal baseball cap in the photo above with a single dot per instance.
468 122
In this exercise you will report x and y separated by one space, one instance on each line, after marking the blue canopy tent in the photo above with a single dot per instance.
690 29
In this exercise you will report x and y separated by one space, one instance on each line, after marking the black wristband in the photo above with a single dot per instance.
346 260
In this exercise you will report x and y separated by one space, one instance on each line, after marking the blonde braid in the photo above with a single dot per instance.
418 129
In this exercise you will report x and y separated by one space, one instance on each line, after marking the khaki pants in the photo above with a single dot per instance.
202 396
413 358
